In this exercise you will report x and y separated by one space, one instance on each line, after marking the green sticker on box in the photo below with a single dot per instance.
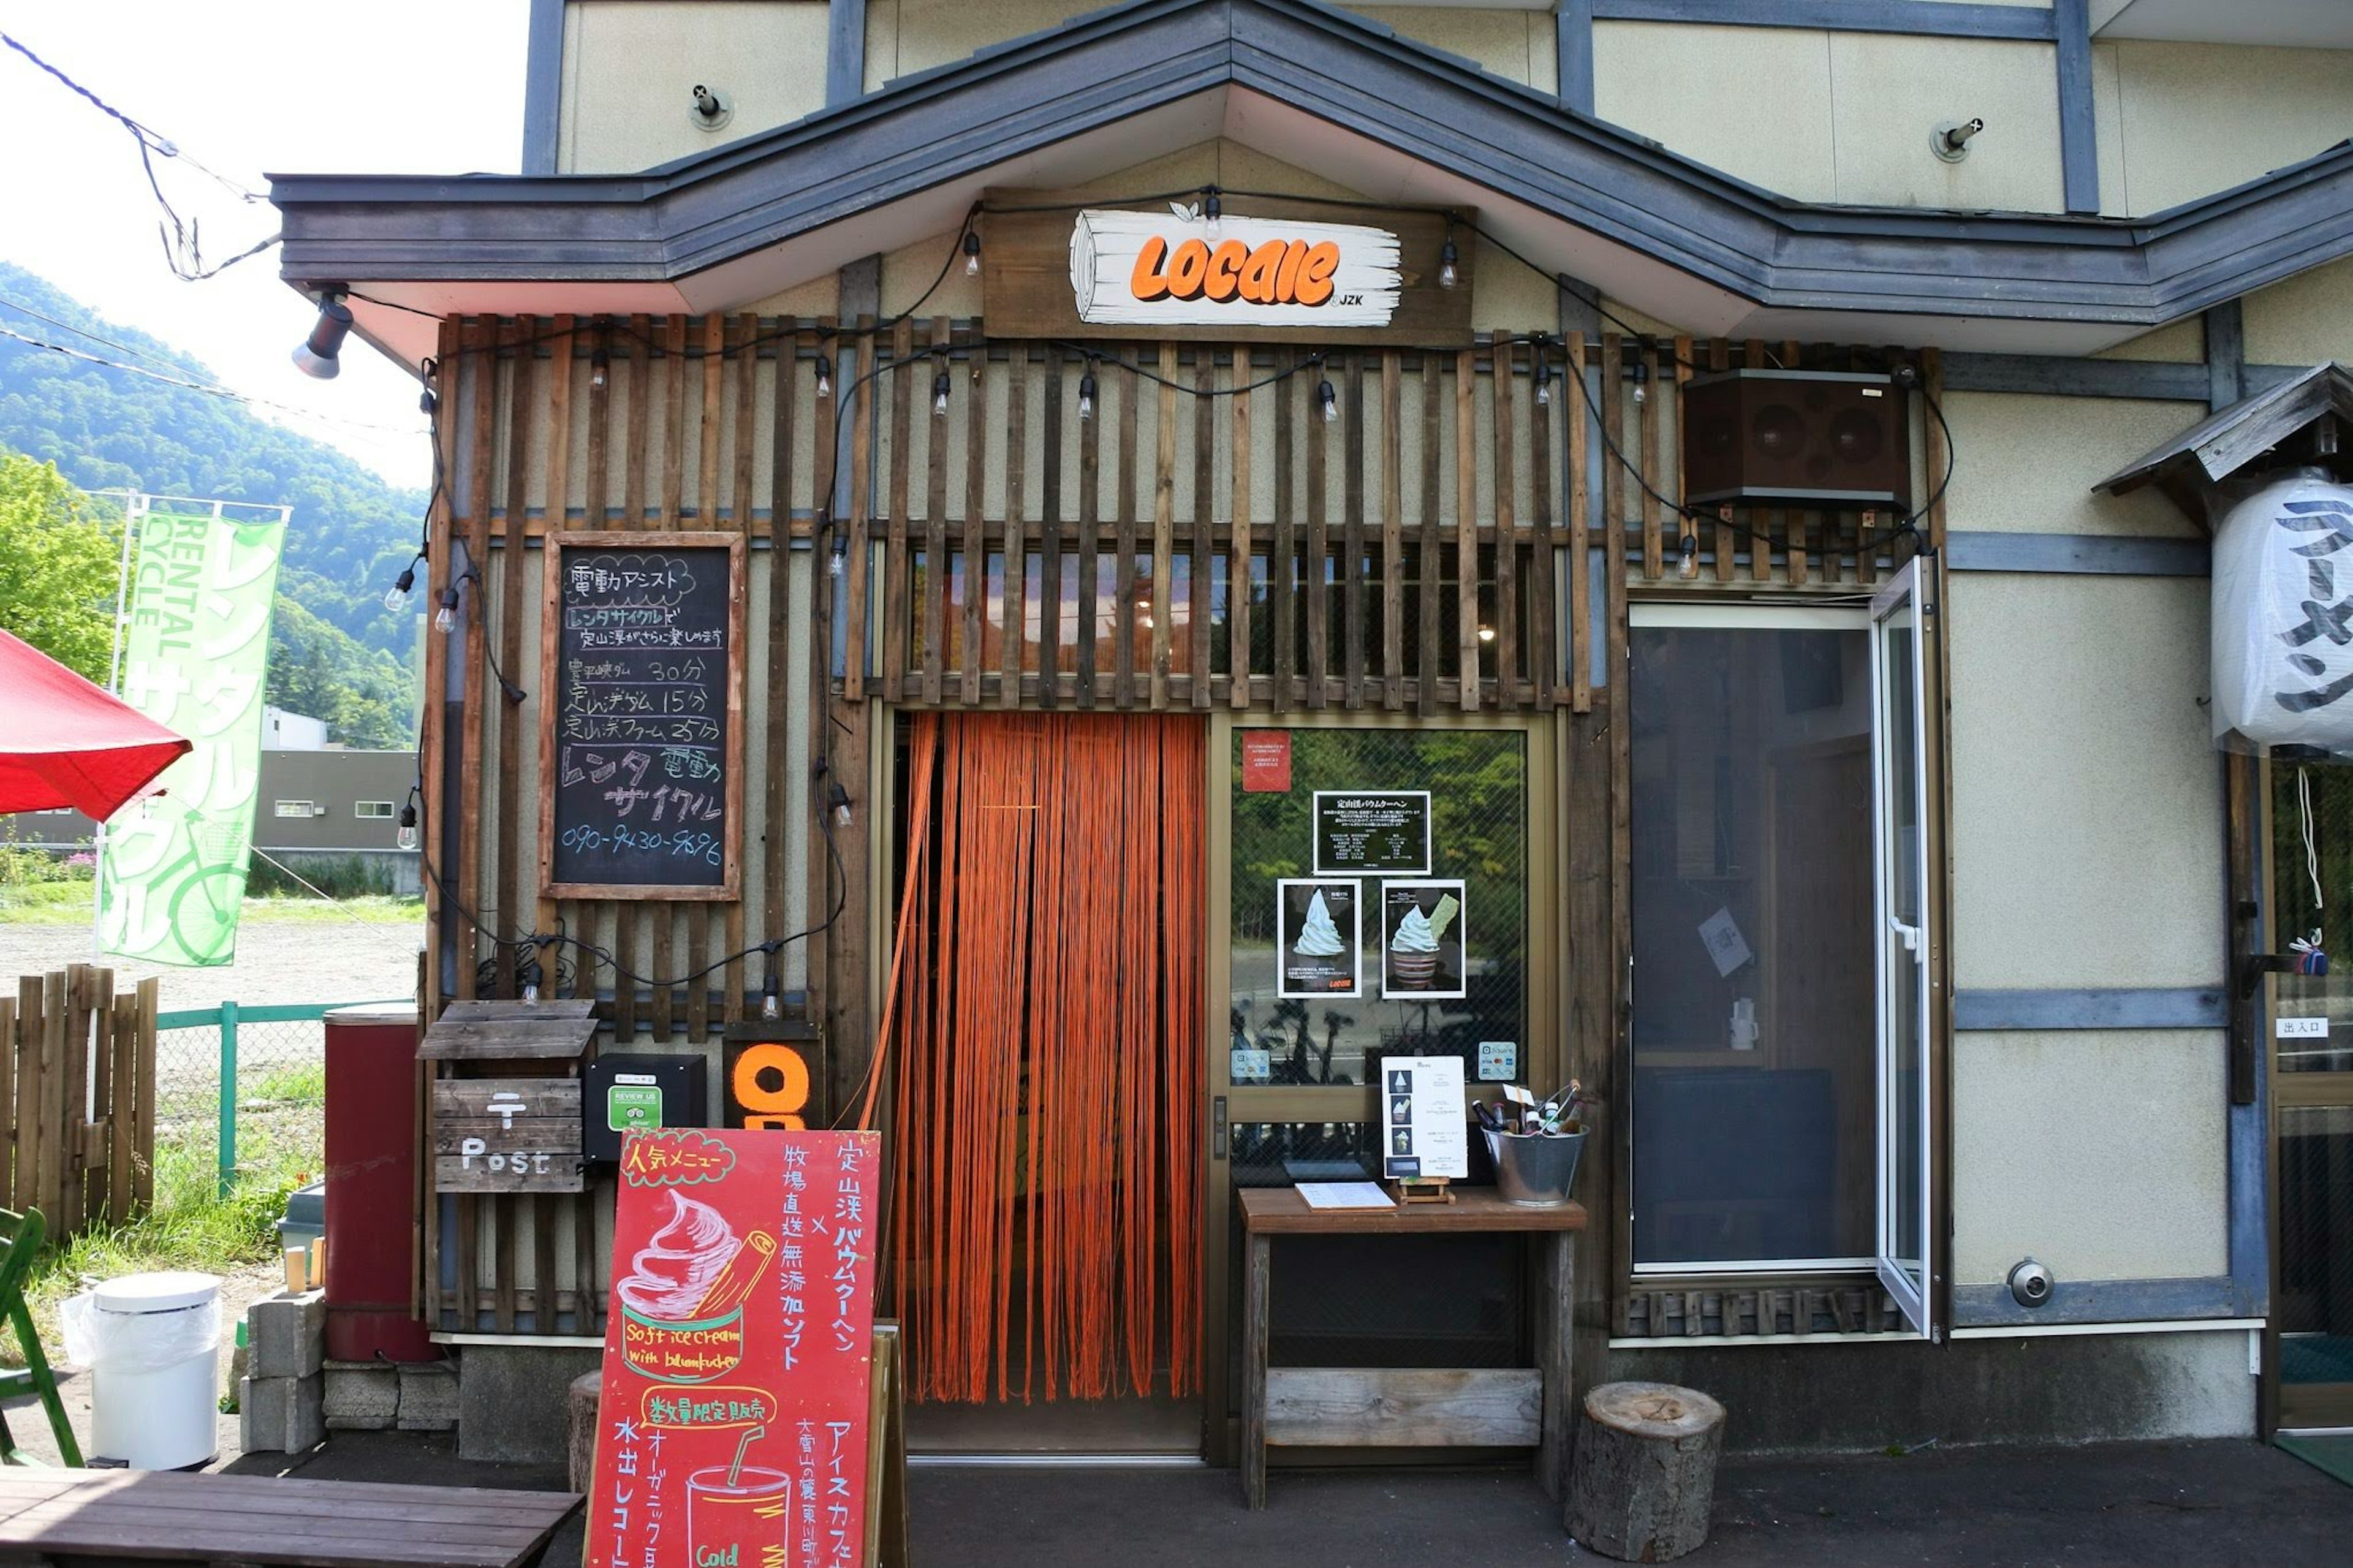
633 1107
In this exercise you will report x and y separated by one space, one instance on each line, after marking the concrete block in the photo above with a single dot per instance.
511 1400
428 1396
362 1395
282 1415
287 1333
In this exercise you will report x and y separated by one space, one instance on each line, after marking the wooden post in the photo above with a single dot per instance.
1256 1326
1645 1472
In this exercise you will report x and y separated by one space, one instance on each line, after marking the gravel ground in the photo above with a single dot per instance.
278 962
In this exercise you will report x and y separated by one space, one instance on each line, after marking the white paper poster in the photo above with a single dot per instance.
1422 941
1425 1117
1318 932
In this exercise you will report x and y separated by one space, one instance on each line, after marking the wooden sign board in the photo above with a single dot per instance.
1262 272
774 1076
507 1135
641 757
735 1423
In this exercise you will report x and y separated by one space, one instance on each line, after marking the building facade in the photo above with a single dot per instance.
1860 846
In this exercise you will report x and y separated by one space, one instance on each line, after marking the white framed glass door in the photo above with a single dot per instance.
1901 844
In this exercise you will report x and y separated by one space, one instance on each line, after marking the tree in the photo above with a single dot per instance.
59 553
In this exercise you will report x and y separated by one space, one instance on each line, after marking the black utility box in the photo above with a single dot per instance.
638 1093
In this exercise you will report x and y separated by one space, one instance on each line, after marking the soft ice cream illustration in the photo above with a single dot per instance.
1413 946
1318 937
676 1269
1414 934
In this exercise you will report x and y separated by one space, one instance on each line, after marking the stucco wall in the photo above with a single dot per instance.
2027 465
2303 320
2181 121
629 72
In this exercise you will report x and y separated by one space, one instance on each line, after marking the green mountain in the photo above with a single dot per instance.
336 652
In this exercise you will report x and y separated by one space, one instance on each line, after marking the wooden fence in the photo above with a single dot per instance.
78 1086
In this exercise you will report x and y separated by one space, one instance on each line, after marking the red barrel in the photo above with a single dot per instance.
372 1185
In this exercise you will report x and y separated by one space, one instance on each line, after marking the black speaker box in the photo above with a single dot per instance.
1817 438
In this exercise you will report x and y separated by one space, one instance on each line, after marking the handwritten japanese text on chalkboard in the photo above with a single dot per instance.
641 746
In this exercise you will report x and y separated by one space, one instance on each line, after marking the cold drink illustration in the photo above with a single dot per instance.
736 1513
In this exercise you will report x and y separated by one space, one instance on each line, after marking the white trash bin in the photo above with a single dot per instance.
154 1342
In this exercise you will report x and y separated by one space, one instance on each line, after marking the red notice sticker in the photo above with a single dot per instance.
1266 762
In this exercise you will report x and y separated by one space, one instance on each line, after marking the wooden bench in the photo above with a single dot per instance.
89 1517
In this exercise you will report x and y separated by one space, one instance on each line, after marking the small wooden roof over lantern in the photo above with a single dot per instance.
2300 422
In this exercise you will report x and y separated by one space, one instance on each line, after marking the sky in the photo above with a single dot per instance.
246 88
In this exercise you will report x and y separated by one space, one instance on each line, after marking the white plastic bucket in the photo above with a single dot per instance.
155 1370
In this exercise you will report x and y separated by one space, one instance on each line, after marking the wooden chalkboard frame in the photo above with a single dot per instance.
729 887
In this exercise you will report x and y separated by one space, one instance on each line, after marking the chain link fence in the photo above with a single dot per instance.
241 1094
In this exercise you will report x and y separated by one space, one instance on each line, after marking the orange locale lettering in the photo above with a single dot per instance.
1279 272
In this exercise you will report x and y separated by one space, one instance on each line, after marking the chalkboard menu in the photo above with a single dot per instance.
642 641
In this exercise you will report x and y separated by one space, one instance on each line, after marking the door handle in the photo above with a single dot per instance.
1911 934
1217 1128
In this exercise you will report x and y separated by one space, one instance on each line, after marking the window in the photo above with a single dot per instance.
372 808
1778 1092
295 808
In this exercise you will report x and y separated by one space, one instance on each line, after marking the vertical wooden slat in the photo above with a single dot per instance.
433 728
787 379
522 411
935 531
1647 419
1544 619
824 458
1163 521
1281 584
143 1135
708 451
1466 526
470 708
1017 551
1238 547
1507 527
893 617
746 360
1122 655
1205 478
1392 533
470 1263
674 395
1091 551
1433 391
543 1261
1315 572
506 1224
8 1122
861 458
596 474
1576 418
585 1293
557 518
1050 534
1613 472
1795 523
25 1186
663 914
1938 454
1353 585
637 471
975 506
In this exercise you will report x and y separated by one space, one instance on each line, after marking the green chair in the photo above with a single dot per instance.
20 1243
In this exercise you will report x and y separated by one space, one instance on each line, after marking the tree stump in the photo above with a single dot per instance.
1643 1473
580 1416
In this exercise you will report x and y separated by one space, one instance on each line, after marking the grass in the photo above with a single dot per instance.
44 903
68 904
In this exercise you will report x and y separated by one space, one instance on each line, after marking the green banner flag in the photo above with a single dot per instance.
172 875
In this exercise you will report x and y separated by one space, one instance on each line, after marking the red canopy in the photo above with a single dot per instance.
63 741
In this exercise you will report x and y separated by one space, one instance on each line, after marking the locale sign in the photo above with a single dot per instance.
641 749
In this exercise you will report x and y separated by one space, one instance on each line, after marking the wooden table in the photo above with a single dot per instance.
1408 1406
121 1516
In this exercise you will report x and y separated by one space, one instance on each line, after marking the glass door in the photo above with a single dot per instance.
1376 889
1899 769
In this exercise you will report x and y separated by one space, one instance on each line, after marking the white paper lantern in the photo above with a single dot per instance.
2282 617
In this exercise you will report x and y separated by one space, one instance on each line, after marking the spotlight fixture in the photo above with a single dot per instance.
1687 558
824 377
1448 275
1950 141
406 836
316 356
940 395
971 253
1087 394
1327 400
600 369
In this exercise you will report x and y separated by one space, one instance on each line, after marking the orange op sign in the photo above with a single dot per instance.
737 1353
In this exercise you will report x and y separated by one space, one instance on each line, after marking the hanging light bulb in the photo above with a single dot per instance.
398 595
1087 394
530 994
1327 400
971 253
841 799
406 838
600 369
1448 276
840 558
940 395
1213 209
1687 562
1543 383
1642 383
446 617
770 1008
1486 634
428 403
824 377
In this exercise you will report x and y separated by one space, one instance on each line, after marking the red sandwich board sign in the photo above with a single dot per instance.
733 1426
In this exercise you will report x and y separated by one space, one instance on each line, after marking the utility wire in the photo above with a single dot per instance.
208 389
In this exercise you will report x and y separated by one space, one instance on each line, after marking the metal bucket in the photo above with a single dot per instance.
1533 1170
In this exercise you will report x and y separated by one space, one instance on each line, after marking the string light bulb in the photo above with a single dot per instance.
940 395
406 836
824 377
1328 401
1087 394
1543 382
1642 383
1213 210
445 619
1448 273
600 369
971 253
1687 561
398 595
771 1008
839 798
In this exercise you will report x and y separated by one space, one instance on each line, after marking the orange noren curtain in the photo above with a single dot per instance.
1044 1037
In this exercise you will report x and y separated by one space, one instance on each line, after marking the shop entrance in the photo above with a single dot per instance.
1376 887
1047 1083
2312 898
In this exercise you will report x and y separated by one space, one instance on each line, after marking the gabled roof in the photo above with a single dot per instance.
1347 100
2211 451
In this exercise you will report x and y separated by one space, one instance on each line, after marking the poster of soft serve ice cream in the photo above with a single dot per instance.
1318 928
1422 941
